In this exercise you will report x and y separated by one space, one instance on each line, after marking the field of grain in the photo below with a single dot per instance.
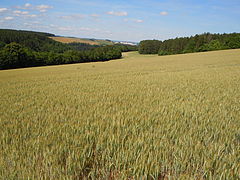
80 40
144 116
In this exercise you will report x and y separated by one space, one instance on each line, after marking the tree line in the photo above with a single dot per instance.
39 41
27 49
197 43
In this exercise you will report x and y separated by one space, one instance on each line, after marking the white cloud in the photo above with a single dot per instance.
18 13
95 15
24 14
43 8
79 16
3 9
70 28
8 18
163 13
26 24
73 16
31 15
114 13
139 21
134 20
65 28
84 29
27 5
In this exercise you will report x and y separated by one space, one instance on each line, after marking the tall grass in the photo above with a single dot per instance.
142 117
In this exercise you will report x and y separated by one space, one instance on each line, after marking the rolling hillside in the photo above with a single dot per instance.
81 40
140 117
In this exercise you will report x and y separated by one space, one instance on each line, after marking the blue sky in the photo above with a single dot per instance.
131 20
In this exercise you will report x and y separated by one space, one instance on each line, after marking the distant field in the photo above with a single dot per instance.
79 40
144 116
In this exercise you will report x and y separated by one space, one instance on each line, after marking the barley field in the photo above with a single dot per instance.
141 117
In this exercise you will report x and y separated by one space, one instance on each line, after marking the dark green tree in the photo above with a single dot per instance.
14 55
149 47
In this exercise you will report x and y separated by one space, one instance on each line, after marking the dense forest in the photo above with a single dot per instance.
26 49
197 43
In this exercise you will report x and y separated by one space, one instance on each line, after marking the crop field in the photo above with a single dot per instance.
80 40
141 117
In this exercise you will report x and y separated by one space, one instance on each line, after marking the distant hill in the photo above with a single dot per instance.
26 48
35 40
41 41
23 32
99 42
81 40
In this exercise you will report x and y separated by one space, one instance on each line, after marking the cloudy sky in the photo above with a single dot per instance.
131 20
